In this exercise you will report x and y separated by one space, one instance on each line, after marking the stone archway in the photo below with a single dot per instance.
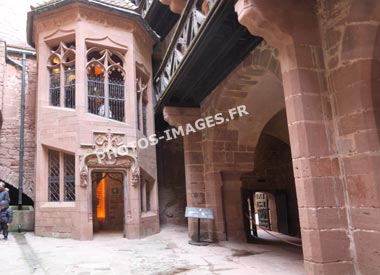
109 152
226 148
254 83
11 177
127 166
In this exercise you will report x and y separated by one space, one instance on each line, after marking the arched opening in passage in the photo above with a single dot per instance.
269 193
13 194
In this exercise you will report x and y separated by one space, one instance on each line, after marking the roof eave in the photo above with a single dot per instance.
126 12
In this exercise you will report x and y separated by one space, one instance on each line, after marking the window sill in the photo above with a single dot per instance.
148 214
61 108
58 204
107 119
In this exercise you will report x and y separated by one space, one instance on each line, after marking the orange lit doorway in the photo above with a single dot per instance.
108 201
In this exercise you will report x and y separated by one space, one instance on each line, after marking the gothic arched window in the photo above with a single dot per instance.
61 64
105 84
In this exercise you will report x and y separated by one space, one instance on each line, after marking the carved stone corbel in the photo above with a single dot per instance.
135 175
84 177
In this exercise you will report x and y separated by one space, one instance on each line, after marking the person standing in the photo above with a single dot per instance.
6 217
4 192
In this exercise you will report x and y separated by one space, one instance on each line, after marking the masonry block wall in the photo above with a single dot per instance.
331 95
352 54
10 132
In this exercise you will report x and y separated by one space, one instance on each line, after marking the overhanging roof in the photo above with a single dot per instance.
114 6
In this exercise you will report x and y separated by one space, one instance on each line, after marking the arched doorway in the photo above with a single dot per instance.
269 192
108 201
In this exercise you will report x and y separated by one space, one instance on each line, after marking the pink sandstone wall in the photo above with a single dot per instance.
330 86
10 132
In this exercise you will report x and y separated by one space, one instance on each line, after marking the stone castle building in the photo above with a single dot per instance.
101 74
90 97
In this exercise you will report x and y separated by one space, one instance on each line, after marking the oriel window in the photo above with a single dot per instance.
61 65
105 84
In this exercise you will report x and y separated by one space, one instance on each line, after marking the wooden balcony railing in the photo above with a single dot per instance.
143 5
189 28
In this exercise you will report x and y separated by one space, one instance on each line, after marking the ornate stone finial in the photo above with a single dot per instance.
84 177
135 175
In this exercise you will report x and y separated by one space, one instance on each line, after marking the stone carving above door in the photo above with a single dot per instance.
108 150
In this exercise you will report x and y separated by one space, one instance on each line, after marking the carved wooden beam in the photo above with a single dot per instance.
176 6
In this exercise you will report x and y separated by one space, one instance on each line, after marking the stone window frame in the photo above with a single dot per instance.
61 185
146 187
61 66
142 84
107 62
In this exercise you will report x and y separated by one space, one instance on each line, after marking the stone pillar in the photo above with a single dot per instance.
194 165
132 207
292 27
232 204
352 50
222 152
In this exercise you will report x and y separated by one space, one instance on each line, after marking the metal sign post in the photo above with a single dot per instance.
199 213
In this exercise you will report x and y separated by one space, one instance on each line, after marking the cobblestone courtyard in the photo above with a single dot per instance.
166 253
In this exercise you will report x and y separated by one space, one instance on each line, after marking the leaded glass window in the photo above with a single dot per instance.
69 179
54 173
105 84
61 65
61 176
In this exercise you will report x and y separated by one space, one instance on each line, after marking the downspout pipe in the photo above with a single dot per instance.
24 54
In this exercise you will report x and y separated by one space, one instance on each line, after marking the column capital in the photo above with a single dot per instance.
179 116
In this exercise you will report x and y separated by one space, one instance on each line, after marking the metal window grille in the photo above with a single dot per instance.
69 179
138 111
96 95
54 89
116 99
70 88
144 118
53 180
